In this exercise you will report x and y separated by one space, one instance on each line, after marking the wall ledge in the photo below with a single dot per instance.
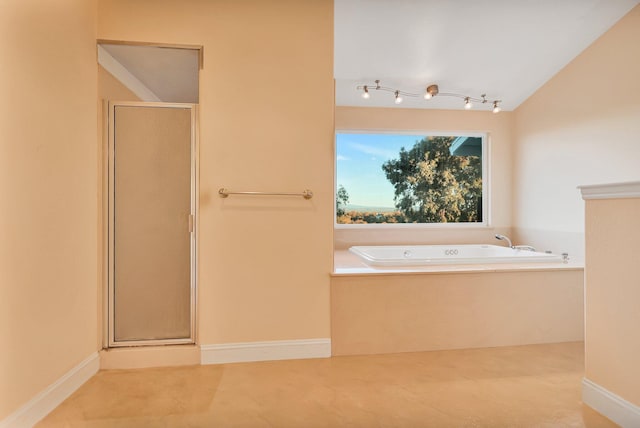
52 396
265 351
610 405
626 190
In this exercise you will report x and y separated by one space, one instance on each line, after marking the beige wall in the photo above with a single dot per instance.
580 128
48 191
612 294
264 263
499 128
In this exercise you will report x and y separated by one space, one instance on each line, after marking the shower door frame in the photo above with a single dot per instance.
109 340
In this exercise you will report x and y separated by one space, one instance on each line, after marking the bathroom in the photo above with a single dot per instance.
280 124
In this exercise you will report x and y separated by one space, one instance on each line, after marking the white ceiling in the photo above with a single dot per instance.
504 48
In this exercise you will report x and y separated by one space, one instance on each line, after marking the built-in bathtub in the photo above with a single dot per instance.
378 307
416 255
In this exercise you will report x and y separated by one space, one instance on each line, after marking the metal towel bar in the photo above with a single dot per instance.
224 193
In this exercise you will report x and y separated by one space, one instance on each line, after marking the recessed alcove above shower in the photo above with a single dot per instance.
160 73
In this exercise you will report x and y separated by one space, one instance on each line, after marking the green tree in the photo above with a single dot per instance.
433 186
342 199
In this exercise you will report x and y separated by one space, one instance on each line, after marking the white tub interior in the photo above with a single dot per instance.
419 255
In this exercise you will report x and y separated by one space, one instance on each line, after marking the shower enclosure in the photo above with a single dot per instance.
151 223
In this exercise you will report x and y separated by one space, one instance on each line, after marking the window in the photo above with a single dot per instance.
386 178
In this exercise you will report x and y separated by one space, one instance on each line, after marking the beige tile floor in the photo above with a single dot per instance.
525 386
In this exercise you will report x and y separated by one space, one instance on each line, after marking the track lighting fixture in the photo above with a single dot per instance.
430 92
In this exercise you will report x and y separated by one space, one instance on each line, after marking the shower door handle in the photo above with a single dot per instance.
191 223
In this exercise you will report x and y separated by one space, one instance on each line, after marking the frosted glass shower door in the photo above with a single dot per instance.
151 207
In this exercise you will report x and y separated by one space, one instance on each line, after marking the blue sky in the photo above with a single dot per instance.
359 159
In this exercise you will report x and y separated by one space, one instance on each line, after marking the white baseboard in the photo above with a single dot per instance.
265 351
610 405
51 397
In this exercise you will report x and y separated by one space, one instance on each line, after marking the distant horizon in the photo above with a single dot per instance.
370 208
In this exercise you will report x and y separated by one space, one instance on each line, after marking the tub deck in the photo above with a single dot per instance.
347 263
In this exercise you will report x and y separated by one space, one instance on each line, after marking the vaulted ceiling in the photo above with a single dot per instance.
506 49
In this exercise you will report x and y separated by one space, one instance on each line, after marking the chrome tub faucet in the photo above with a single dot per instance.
515 247
504 238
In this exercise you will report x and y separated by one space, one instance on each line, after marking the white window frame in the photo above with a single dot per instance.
486 187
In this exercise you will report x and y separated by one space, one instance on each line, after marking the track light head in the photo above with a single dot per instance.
432 91
496 107
365 92
398 97
467 103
